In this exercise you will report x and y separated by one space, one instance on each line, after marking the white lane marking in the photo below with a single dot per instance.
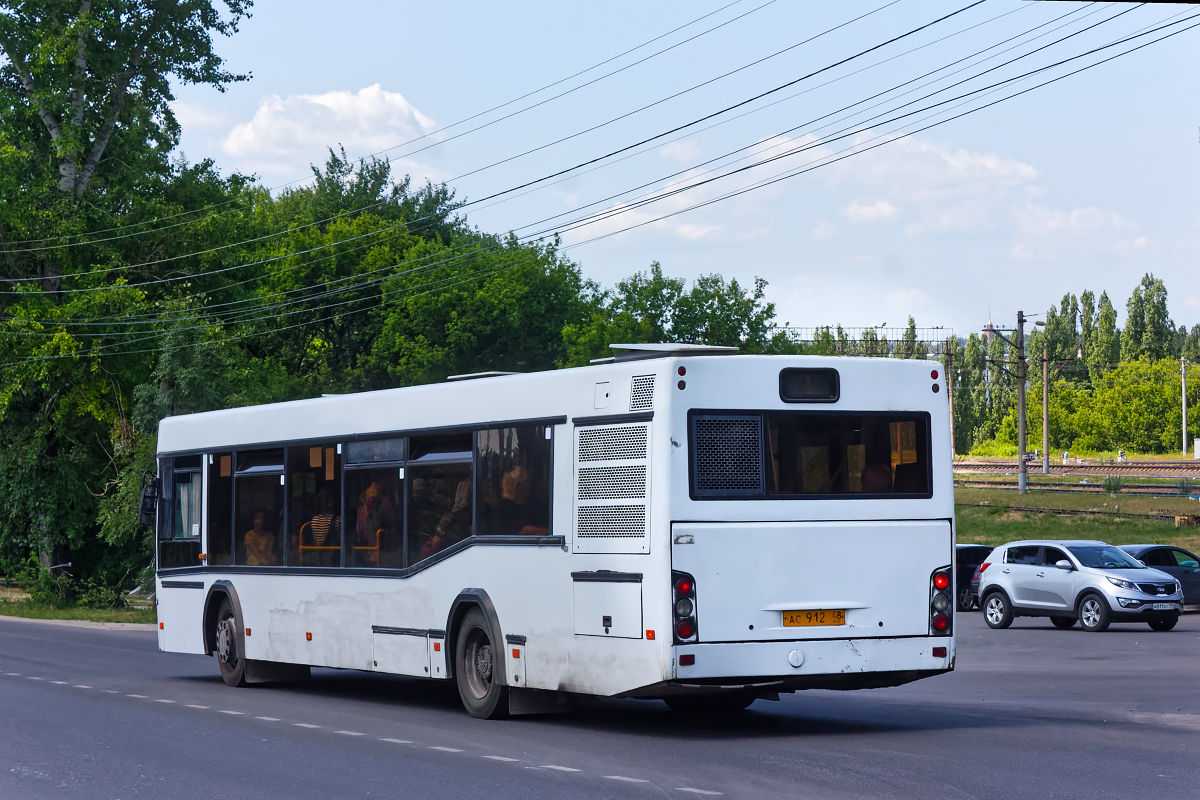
446 749
268 719
233 712
110 691
396 741
138 696
60 683
164 701
349 733
34 679
13 674
627 780
500 758
192 706
81 686
560 769
695 791
305 725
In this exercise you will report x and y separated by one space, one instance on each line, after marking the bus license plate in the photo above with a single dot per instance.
816 616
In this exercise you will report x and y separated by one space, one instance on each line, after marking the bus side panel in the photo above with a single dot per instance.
180 611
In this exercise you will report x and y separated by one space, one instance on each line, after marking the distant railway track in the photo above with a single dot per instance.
1133 469
1156 489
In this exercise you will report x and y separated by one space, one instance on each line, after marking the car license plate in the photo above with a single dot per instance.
816 616
1155 606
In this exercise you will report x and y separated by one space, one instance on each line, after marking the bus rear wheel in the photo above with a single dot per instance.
710 704
230 657
475 669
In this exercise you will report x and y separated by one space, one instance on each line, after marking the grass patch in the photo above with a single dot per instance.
32 610
1127 503
995 526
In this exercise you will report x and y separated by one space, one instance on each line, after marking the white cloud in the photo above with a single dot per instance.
863 212
682 152
693 231
823 230
194 116
908 301
1048 233
286 134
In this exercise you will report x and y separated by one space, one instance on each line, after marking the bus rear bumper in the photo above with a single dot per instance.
812 664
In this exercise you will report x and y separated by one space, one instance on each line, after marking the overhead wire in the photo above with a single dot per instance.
652 199
1007 81
443 128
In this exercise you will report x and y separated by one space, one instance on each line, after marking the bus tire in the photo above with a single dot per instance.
729 703
475 668
231 657
997 611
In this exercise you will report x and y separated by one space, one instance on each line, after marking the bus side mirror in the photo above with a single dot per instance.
150 487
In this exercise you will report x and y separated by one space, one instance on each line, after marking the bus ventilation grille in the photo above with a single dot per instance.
612 522
612 488
729 455
612 443
601 483
641 397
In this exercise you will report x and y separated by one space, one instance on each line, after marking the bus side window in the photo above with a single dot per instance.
314 536
258 497
220 509
438 494
179 534
514 481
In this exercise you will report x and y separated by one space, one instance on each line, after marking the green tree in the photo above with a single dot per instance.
1148 328
1106 344
86 70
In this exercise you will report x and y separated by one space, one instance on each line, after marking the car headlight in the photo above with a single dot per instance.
1124 584
1178 587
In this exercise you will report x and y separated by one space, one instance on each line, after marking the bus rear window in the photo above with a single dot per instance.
810 454
835 454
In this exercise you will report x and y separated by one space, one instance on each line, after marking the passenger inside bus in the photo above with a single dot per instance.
259 543
376 516
876 478
453 527
516 513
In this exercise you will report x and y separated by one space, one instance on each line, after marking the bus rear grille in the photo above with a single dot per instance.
728 454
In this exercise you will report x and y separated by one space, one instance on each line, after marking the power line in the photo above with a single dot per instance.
439 130
595 218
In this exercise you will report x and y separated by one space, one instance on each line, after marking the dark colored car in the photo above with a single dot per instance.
1180 564
967 558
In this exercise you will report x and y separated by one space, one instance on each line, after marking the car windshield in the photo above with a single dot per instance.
1104 557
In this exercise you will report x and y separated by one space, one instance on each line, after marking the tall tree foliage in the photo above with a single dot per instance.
87 68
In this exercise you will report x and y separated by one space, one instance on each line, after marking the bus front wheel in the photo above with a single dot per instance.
230 657
475 669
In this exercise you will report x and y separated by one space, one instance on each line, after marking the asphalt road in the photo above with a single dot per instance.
1029 712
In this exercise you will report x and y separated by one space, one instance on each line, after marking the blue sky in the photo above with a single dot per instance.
1085 183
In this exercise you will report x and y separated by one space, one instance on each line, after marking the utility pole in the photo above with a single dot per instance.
1046 405
1183 382
1022 467
950 394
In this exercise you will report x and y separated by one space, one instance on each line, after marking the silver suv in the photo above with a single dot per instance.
1090 582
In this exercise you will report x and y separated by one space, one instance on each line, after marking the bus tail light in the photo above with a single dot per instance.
683 597
940 607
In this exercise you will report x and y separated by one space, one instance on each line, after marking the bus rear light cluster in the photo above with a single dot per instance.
940 622
683 595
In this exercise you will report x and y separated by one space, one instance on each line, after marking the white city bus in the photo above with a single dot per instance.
677 522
